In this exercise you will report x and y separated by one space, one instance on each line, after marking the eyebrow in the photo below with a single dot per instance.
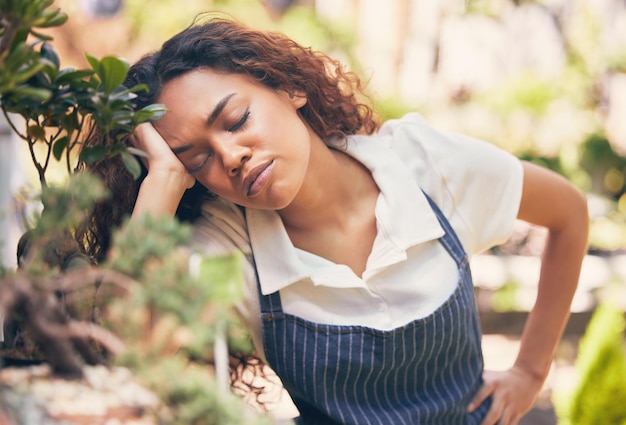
219 108
214 115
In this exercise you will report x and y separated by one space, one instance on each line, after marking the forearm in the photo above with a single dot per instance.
166 182
561 263
159 194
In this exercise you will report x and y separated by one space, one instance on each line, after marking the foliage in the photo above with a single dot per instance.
199 401
70 204
392 108
171 321
601 364
527 92
606 167
505 297
48 248
60 107
152 315
617 62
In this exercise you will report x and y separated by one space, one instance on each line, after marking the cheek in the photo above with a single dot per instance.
288 138
218 183
210 180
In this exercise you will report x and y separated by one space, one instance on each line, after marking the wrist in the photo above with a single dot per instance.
161 192
175 181
536 372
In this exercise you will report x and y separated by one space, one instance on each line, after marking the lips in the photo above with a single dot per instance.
257 178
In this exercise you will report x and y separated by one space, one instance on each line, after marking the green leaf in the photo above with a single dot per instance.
131 164
57 20
150 113
94 63
59 147
112 73
39 94
36 132
41 36
69 122
27 72
138 152
92 154
117 149
224 275
140 87
21 36
68 75
47 52
14 58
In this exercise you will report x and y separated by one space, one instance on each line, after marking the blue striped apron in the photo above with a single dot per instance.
424 372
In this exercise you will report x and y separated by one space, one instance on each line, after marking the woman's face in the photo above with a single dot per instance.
243 141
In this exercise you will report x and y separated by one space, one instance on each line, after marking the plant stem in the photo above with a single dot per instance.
13 127
33 157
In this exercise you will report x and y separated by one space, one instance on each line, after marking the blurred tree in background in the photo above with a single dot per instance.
598 396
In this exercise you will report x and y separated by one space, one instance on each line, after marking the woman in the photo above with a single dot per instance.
360 235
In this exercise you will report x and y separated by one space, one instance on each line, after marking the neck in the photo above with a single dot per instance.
336 189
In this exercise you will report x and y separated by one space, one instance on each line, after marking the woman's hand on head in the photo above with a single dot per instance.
167 179
160 160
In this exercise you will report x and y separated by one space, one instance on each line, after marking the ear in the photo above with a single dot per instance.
297 98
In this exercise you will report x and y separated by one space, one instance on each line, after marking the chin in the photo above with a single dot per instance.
262 203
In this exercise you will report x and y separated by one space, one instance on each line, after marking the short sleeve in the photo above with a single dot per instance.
477 185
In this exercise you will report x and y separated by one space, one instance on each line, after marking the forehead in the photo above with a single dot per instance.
204 84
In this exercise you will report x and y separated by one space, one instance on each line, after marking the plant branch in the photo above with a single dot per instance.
50 143
41 171
12 125
91 331
68 150
79 278
71 144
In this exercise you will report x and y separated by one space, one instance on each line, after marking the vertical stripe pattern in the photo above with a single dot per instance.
424 372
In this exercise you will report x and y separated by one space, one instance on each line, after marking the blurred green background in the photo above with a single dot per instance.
545 80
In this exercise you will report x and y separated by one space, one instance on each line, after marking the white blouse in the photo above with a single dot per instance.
408 273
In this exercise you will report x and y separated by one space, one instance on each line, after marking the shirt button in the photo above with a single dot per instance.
380 307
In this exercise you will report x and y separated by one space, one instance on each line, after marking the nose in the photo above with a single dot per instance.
233 156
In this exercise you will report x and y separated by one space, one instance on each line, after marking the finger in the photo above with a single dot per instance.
493 415
143 133
508 417
148 140
483 393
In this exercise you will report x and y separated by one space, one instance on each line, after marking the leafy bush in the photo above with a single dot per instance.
59 107
601 364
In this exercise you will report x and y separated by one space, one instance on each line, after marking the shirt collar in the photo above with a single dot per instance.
409 218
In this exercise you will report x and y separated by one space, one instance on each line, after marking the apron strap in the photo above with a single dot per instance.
269 303
449 240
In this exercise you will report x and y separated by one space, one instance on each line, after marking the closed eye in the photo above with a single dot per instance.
241 123
199 167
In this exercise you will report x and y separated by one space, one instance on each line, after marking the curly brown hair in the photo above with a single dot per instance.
336 104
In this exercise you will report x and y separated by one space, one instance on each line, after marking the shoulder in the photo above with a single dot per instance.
221 227
449 156
468 178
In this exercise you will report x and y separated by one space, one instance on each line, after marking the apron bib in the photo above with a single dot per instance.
424 372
